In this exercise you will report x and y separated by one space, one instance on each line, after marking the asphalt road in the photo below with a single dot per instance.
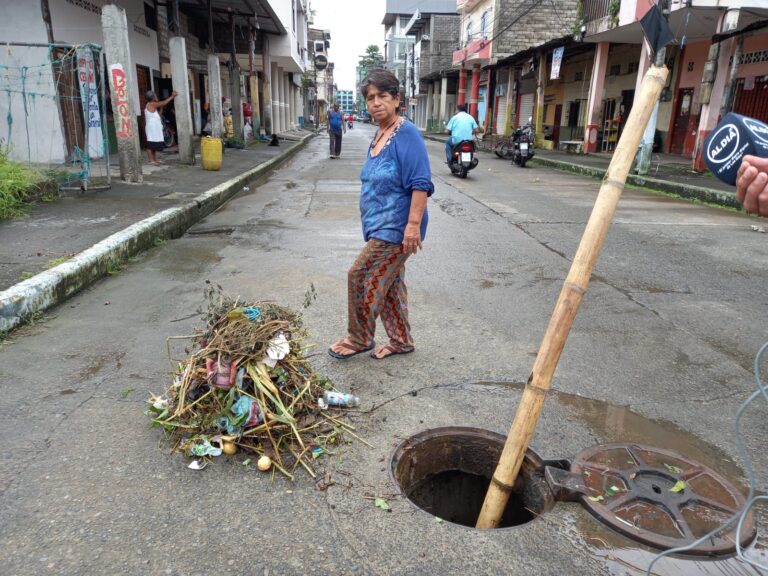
660 353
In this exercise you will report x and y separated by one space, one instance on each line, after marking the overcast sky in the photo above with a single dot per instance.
354 25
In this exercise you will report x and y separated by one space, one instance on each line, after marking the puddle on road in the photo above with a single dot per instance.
622 556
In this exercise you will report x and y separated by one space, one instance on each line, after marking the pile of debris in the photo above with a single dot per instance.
248 386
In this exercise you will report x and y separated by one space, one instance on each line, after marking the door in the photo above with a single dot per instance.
556 125
682 117
752 98
525 108
144 83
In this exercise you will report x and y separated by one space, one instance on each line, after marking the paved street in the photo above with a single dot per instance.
661 353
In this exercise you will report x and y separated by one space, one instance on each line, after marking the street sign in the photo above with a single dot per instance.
321 62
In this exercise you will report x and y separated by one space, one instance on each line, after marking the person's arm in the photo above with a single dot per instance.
752 184
449 126
164 102
412 235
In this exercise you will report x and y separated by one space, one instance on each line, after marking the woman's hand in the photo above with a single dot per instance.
752 184
412 239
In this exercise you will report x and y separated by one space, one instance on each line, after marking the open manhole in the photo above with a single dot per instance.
447 471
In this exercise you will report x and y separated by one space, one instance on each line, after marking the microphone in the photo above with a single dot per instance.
732 139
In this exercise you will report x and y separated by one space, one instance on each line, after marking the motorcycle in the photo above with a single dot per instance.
463 158
522 145
349 124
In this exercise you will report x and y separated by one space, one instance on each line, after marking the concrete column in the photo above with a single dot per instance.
541 85
429 110
266 124
214 97
643 162
461 98
115 29
184 128
713 86
236 100
597 82
282 90
511 101
253 81
276 128
443 100
475 91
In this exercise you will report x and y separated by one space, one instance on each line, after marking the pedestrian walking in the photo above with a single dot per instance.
396 182
153 125
335 128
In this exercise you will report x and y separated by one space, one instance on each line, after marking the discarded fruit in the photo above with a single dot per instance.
229 448
264 463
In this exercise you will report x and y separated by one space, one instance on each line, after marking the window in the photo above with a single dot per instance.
319 47
293 14
469 32
484 21
632 68
578 76
150 16
615 70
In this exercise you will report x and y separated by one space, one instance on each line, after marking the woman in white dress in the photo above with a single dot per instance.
153 124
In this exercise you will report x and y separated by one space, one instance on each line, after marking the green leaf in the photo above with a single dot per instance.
678 487
124 393
439 520
597 498
246 461
612 490
381 503
673 469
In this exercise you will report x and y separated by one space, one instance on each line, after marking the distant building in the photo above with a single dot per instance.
346 101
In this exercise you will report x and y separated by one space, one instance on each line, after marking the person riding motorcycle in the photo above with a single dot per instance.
461 127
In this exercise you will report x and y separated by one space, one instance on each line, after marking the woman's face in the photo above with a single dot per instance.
381 105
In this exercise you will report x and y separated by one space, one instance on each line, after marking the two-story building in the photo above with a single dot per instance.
718 63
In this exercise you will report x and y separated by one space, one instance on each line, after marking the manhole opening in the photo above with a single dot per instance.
446 472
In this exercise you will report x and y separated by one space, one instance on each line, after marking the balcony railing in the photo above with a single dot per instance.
596 9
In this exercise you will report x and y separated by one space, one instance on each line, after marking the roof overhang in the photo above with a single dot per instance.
696 23
257 13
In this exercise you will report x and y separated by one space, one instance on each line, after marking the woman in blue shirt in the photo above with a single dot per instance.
396 182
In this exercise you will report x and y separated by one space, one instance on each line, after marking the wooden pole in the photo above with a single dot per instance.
569 300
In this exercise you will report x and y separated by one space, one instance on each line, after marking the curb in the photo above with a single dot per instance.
53 286
691 191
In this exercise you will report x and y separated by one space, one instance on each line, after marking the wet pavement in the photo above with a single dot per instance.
660 354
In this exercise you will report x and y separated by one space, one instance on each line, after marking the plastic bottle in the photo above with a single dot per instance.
340 399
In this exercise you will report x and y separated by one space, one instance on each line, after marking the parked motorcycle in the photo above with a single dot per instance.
463 158
522 145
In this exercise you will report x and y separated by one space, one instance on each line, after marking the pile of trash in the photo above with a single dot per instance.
247 386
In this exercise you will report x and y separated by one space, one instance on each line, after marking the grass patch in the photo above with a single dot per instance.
160 241
115 267
17 183
26 275
56 261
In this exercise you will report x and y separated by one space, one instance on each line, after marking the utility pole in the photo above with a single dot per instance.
643 161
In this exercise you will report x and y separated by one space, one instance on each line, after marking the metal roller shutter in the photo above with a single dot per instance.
526 108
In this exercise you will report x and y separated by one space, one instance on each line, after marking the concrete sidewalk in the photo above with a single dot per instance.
63 246
669 173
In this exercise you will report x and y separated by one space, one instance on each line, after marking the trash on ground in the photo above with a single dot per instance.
247 387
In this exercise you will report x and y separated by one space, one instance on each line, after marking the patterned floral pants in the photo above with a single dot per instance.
376 288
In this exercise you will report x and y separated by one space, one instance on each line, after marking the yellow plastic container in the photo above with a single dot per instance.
211 150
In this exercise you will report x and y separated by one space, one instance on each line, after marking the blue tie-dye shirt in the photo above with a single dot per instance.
401 167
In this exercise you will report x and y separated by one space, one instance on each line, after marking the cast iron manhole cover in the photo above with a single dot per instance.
655 496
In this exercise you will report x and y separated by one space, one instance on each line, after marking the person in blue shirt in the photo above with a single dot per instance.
461 127
335 127
396 182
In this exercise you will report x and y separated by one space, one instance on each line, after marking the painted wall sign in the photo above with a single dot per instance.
121 109
90 99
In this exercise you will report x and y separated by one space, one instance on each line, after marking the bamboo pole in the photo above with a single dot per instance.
569 300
